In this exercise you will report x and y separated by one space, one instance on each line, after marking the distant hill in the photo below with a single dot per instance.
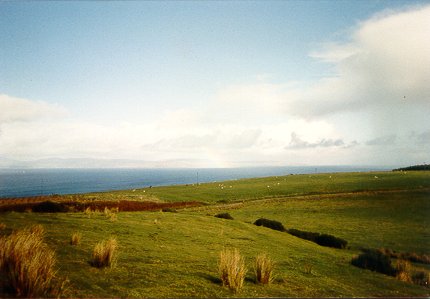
415 167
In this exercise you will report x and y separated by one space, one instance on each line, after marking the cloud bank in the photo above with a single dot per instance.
373 110
17 109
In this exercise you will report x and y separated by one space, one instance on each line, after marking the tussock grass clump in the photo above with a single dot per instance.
2 226
374 260
88 212
272 224
232 269
111 213
224 216
76 238
27 264
104 253
406 273
37 230
308 268
403 270
263 269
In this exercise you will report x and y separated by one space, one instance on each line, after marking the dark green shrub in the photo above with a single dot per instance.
224 216
272 224
374 260
169 210
421 278
320 239
416 258
330 241
310 236
50 207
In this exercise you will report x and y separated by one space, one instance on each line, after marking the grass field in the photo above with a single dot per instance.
165 254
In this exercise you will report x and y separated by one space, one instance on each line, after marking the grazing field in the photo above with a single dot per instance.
175 253
280 186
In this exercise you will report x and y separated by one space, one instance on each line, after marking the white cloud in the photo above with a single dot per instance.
380 94
381 88
18 109
334 52
298 143
385 63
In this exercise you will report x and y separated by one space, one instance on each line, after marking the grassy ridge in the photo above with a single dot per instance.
281 186
163 254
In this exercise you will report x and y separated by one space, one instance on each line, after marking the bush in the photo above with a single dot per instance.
27 264
321 239
272 224
232 269
310 236
410 256
374 260
169 210
263 269
50 207
331 241
224 216
104 253
75 239
421 278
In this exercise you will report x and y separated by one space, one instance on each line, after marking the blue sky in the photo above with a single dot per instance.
195 83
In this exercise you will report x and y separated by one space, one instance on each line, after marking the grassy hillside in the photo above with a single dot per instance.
399 220
280 186
164 254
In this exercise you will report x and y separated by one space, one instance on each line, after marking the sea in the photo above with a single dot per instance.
36 182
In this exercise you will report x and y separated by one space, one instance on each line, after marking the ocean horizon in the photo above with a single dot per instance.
36 182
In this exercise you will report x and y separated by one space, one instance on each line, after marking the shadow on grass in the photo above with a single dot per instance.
211 278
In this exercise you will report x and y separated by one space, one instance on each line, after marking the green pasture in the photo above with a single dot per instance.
280 186
165 254
395 220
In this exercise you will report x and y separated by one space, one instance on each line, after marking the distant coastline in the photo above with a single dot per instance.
423 167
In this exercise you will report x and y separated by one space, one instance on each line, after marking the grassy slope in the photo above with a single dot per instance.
175 254
282 186
399 221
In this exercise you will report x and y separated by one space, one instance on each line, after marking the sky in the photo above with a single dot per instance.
215 83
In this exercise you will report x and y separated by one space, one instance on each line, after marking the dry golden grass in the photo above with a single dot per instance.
263 269
88 212
308 268
76 238
111 213
27 264
403 270
104 253
232 269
